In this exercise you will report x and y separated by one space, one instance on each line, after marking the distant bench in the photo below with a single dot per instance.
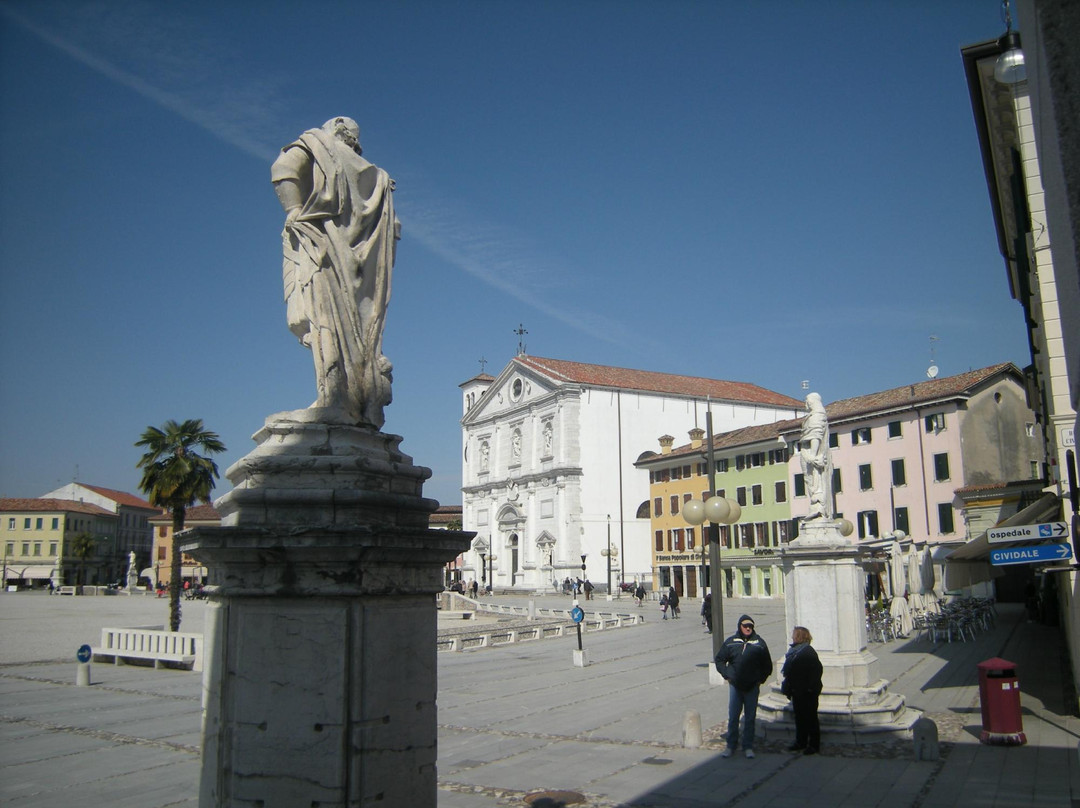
155 645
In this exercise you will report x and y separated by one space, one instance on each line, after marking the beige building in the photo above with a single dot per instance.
158 571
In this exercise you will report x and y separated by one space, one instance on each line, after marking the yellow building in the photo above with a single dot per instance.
36 538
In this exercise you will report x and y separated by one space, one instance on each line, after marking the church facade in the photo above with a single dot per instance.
548 477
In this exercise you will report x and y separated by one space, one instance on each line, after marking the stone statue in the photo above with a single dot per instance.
815 458
339 244
131 563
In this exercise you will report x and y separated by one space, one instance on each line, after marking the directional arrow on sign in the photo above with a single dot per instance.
1041 532
1030 554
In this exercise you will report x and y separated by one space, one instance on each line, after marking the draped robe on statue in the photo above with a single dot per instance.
339 253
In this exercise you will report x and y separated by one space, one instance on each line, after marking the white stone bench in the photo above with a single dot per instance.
67 590
155 645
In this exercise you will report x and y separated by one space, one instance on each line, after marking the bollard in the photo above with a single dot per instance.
82 673
924 733
691 730
532 609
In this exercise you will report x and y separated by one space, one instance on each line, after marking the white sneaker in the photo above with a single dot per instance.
749 754
726 753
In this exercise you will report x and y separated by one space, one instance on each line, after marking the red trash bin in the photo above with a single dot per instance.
999 697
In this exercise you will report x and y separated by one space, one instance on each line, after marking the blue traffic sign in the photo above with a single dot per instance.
576 614
1031 554
84 653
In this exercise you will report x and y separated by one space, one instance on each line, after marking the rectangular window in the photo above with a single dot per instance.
935 422
26 523
52 548
39 523
783 532
685 471
740 462
755 494
740 495
900 519
721 492
659 544
941 467
781 492
834 440
761 534
721 466
837 483
899 474
37 548
56 523
868 525
10 548
674 504
895 429
945 518
725 536
800 485
676 473
866 479
859 437
679 547
746 583
670 541
1034 469
161 550
658 507
687 497
689 538
766 583
11 523
746 535
26 548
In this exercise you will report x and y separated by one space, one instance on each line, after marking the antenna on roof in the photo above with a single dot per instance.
521 332
932 371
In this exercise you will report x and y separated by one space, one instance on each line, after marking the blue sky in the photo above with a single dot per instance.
760 191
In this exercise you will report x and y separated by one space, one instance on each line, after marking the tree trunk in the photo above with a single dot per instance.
174 572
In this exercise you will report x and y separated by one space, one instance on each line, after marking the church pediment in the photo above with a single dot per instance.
516 388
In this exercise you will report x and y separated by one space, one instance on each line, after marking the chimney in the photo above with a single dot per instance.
697 434
666 442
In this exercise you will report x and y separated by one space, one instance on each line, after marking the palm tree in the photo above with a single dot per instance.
82 547
175 477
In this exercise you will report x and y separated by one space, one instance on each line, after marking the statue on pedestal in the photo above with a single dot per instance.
339 245
816 460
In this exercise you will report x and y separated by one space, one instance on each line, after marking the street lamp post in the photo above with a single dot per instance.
492 558
716 510
483 569
609 552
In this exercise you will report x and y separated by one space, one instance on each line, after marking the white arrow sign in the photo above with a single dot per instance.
1047 530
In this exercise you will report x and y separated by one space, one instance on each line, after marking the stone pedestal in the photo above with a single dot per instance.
320 679
824 583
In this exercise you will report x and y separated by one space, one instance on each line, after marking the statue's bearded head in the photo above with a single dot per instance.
346 130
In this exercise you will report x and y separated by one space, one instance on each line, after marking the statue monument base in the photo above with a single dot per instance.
824 584
320 680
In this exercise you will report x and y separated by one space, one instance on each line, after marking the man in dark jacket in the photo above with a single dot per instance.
745 663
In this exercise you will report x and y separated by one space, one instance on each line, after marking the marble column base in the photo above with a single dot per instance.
824 591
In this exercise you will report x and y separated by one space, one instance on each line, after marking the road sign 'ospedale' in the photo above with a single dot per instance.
1042 532
1030 555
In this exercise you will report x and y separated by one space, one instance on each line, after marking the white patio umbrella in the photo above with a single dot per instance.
916 600
899 608
927 581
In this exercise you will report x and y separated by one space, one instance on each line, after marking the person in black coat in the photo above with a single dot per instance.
802 684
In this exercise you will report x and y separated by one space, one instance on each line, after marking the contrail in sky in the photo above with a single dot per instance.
492 255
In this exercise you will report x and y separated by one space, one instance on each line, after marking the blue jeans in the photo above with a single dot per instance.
745 702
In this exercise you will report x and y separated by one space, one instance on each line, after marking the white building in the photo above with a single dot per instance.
548 464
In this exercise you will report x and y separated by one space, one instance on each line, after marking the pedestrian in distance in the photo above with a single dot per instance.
802 684
745 663
706 611
673 601
663 605
639 593
588 589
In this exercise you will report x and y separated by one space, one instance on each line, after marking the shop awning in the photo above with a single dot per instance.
36 571
970 564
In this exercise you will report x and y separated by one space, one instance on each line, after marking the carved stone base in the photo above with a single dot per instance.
308 470
824 583
320 679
